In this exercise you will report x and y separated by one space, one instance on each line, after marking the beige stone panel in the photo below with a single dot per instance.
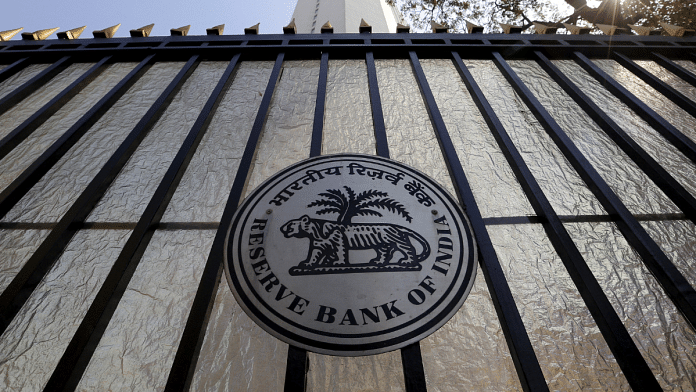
635 189
138 347
348 126
237 355
409 132
681 119
21 77
678 240
564 188
474 331
381 372
53 195
689 65
37 337
663 337
17 247
129 194
470 352
287 134
671 79
29 105
568 344
22 156
205 187
678 165
495 187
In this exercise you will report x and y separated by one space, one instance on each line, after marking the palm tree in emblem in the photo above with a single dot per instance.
349 205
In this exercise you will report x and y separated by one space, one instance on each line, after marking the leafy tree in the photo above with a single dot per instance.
489 13
347 205
651 12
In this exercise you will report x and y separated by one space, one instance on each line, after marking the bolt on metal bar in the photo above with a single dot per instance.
376 103
672 281
26 128
675 68
618 339
53 246
523 356
22 184
74 361
671 133
653 81
28 88
670 186
13 68
186 358
318 126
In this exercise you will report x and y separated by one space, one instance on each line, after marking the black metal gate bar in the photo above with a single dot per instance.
673 282
523 356
376 103
85 341
41 261
671 133
671 187
296 370
297 364
675 68
411 359
23 91
13 68
27 127
618 339
22 184
184 365
318 126
653 81
412 363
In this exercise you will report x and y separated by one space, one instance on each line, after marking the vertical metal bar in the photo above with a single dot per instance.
318 127
23 91
675 68
25 129
22 184
40 262
618 339
13 68
297 364
412 362
526 363
671 187
411 359
184 365
673 282
653 81
376 102
74 361
683 143
296 370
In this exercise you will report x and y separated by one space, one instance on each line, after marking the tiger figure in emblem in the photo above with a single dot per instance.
329 242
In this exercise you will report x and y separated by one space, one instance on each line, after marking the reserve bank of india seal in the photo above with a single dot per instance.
350 255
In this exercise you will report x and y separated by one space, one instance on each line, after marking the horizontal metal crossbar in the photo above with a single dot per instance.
354 45
367 47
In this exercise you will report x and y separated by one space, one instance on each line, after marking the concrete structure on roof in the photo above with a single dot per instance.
345 15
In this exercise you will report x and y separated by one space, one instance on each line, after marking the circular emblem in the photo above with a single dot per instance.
350 255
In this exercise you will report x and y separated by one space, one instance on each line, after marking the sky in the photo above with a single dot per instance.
132 14
201 14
